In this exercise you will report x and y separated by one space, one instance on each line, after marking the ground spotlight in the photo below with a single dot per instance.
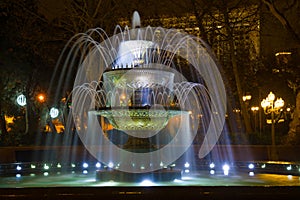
161 164
85 165
46 167
98 165
146 182
172 166
251 166
226 169
186 165
251 173
110 165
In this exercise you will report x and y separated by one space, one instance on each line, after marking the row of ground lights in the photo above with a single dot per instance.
85 166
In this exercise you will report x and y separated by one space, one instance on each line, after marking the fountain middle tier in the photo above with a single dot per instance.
140 100
141 85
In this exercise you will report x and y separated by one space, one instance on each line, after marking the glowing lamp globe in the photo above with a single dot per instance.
21 100
54 112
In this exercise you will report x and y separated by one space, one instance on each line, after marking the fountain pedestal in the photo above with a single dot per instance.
158 175
140 145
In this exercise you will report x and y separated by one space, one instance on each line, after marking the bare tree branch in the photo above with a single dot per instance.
282 19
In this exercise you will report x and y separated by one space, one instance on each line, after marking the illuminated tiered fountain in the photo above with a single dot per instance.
130 85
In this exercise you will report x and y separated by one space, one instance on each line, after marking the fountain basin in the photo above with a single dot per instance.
275 182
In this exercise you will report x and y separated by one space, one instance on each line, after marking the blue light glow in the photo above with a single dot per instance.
85 165
98 165
187 165
226 169
177 181
161 164
173 165
251 166
110 165
251 173
146 183
46 167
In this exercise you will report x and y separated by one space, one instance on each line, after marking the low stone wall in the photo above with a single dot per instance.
41 153
258 152
236 152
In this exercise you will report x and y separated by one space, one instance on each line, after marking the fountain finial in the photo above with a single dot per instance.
136 20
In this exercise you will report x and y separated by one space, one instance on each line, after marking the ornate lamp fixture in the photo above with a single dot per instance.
272 107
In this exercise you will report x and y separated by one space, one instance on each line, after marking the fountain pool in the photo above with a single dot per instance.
247 180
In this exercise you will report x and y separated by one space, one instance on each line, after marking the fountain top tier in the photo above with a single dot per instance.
133 53
136 20
139 47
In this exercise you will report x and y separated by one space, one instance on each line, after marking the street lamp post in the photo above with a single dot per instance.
254 110
21 101
272 107
247 97
245 113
